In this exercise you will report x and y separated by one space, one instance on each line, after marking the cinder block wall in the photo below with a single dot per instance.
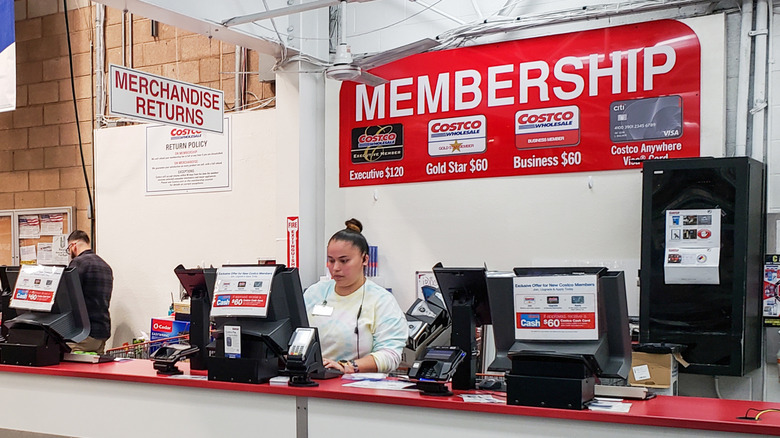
182 55
40 165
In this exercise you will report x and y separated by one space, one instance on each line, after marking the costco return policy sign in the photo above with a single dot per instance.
157 99
597 100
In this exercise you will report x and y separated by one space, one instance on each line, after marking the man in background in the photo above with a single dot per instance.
97 282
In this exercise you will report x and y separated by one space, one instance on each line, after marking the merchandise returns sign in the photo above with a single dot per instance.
157 99
596 100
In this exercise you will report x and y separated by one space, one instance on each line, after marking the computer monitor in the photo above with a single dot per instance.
609 355
466 297
263 339
199 286
39 338
8 275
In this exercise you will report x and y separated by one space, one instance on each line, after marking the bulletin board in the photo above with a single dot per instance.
37 229
6 239
29 236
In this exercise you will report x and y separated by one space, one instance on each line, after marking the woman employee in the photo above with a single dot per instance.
361 326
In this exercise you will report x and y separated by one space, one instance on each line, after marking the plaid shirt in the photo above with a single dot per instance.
97 282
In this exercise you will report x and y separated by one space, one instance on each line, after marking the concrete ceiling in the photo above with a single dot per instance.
206 17
302 26
281 29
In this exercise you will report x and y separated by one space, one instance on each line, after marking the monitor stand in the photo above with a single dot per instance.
464 337
438 389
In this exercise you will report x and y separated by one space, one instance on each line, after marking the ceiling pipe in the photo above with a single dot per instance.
758 111
743 78
438 11
235 21
100 59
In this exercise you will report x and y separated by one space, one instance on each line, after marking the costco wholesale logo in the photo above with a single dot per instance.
178 133
223 300
377 143
547 127
457 135
162 326
529 320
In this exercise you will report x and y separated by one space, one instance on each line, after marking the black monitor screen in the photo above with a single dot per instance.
611 353
199 286
68 318
465 286
263 339
286 312
8 276
197 282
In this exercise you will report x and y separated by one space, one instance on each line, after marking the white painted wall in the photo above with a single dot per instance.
773 152
544 220
144 237
503 222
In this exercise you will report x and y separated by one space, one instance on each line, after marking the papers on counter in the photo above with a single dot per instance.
480 398
608 405
364 376
393 385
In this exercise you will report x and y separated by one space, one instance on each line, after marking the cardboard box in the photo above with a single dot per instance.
183 307
656 371
167 328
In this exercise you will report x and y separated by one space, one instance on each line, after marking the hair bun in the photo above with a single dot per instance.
354 225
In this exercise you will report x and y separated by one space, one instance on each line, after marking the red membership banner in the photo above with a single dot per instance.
602 99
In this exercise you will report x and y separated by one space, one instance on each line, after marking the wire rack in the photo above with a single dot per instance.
143 350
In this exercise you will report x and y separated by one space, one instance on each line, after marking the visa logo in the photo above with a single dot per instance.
530 320
223 300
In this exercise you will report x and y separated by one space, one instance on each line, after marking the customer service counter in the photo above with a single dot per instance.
129 399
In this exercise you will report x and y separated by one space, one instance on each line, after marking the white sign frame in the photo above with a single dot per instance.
141 95
33 282
242 291
556 299
187 161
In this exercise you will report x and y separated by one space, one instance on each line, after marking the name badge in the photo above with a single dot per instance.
320 310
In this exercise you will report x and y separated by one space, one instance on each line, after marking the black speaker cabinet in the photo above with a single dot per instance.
695 211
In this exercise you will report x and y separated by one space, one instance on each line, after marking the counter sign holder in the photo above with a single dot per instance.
242 291
556 307
36 287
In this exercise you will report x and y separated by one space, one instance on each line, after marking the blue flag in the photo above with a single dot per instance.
7 56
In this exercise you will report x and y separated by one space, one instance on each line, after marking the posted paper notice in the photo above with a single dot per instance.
557 307
692 253
242 291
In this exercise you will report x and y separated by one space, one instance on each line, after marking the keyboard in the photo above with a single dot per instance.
87 358
327 373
